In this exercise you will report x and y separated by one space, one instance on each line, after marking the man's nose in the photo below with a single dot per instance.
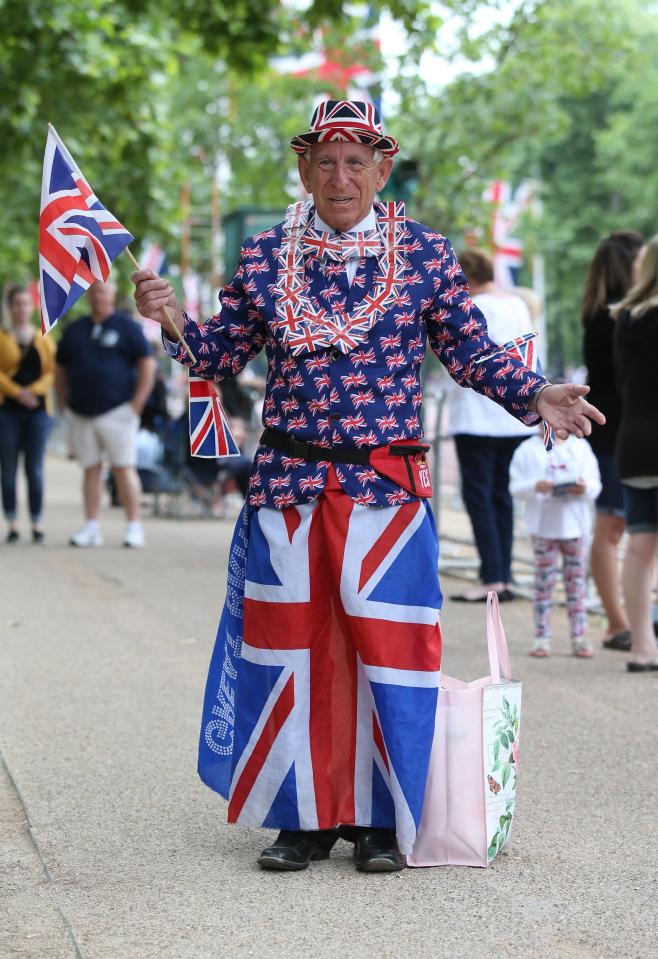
341 173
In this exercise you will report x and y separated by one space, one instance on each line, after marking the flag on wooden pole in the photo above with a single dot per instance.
78 237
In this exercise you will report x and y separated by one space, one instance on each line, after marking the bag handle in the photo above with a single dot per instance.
499 661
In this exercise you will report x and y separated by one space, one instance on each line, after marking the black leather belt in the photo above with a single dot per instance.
312 453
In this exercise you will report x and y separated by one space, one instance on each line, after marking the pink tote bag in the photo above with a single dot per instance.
471 786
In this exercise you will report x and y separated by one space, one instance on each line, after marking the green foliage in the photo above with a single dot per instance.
151 94
148 94
560 91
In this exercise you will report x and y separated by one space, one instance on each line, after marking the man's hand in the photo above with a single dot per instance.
152 293
543 486
564 408
27 399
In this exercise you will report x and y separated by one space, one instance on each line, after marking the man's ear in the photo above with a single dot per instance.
302 166
384 172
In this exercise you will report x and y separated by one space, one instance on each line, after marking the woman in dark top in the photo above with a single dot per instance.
609 276
27 364
635 351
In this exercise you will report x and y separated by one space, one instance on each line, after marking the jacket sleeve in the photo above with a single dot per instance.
226 342
525 470
457 333
8 366
8 387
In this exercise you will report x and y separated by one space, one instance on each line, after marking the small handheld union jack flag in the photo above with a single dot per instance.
79 238
210 434
523 348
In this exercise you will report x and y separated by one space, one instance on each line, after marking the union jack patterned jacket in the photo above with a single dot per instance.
336 381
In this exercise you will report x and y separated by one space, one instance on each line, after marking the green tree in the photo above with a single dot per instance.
559 91
108 75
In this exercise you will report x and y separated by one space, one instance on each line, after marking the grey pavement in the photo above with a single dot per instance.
111 848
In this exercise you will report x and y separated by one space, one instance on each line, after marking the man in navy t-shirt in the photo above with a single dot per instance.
104 375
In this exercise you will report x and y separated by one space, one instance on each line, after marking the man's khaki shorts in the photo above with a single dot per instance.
114 433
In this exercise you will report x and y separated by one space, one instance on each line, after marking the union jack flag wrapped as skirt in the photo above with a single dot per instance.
321 697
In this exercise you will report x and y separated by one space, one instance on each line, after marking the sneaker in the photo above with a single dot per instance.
582 648
541 648
134 536
87 536
38 536
13 536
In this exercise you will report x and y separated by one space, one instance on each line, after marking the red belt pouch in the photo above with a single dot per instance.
405 463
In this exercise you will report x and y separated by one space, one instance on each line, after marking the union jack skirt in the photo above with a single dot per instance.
322 691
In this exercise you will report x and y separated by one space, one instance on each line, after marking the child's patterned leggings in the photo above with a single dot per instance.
573 573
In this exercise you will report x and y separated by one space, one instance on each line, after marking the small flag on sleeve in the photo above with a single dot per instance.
78 237
523 348
210 434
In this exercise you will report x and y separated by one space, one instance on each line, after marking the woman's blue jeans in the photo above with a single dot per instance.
484 463
23 431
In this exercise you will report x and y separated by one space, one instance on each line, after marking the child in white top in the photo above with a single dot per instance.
559 489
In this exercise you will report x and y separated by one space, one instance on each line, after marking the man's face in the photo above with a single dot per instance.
343 178
102 297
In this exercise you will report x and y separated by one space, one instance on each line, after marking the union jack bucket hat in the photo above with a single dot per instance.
349 121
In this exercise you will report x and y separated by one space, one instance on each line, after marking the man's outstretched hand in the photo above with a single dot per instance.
152 293
565 408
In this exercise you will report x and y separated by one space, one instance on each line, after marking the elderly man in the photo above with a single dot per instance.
321 703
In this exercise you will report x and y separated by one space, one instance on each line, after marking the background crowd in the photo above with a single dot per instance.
119 410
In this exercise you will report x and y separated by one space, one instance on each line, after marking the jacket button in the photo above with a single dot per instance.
335 417
336 354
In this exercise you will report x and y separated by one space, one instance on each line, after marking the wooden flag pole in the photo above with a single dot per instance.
167 312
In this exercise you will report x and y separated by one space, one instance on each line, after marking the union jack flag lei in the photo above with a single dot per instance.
523 349
78 237
305 326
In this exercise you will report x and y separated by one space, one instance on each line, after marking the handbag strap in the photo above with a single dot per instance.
499 661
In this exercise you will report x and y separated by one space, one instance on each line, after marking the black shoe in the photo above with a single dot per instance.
620 641
376 850
504 596
294 850
38 536
13 536
642 667
463 598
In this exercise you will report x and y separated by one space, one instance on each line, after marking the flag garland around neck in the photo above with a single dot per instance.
304 326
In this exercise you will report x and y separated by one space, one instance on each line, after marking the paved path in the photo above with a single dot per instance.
111 848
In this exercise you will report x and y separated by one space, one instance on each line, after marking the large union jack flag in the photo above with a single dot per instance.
78 239
320 706
210 434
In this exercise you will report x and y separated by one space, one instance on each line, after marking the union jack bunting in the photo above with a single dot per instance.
210 434
329 642
523 349
78 237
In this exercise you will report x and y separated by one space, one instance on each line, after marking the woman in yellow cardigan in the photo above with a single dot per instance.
27 364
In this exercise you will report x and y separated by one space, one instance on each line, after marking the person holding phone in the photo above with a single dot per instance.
558 490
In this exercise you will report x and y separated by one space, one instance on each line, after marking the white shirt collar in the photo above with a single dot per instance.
369 222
